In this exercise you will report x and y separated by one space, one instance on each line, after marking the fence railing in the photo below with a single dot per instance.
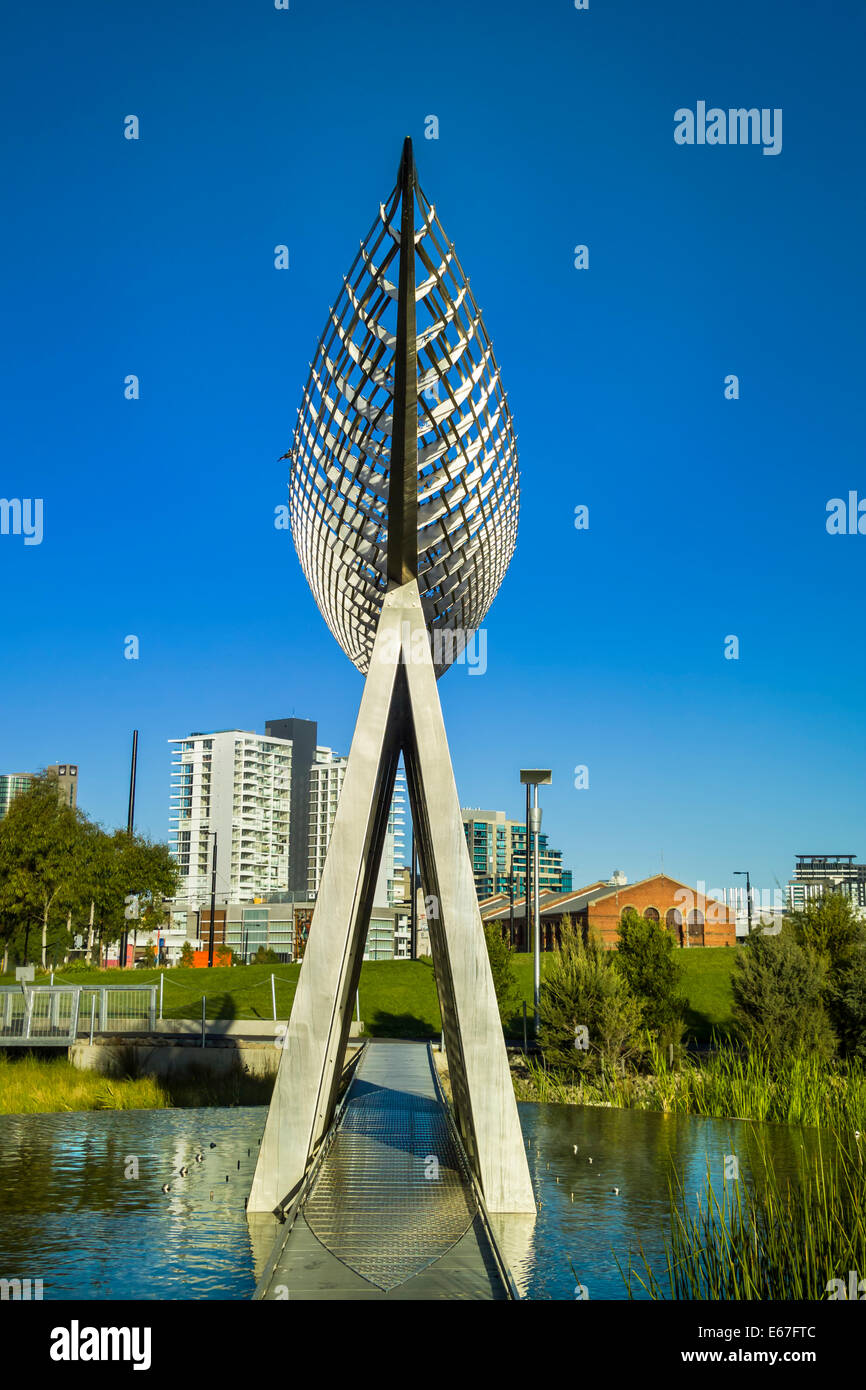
58 1013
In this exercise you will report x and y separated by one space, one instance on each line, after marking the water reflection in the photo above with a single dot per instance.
583 1222
70 1216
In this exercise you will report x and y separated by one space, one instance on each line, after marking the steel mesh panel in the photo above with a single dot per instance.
372 1204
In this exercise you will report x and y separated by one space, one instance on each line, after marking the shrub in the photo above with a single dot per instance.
582 990
645 958
778 989
848 1004
829 926
502 969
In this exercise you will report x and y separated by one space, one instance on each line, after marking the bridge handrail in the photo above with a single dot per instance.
290 1213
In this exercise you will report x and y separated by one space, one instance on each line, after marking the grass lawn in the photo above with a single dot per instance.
398 998
707 986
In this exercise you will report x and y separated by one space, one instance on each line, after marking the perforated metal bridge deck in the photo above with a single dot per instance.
391 1211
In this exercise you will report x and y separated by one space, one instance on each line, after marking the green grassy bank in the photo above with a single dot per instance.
398 998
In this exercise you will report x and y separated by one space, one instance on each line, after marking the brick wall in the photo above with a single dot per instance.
664 894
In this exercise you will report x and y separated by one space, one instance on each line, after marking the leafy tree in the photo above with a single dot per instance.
265 956
589 1017
645 958
778 988
502 969
150 954
186 954
56 867
41 861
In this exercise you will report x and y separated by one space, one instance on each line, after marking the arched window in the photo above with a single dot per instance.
651 914
628 908
696 927
674 923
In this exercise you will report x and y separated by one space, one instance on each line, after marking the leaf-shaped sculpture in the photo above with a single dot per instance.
378 368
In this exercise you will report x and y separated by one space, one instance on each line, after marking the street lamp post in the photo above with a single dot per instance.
740 873
534 778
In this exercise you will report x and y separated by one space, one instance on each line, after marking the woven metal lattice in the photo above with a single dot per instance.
393 1193
467 473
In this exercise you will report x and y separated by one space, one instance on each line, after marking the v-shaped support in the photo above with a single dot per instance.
400 711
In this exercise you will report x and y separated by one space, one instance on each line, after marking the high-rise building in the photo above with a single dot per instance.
236 784
12 784
244 787
326 783
390 884
497 849
302 734
815 874
67 782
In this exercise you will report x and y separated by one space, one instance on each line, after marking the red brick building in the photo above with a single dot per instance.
692 918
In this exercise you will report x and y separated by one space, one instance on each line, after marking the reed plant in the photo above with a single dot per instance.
35 1085
728 1083
32 1085
767 1237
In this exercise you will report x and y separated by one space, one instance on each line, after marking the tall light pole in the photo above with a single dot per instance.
130 830
534 778
740 872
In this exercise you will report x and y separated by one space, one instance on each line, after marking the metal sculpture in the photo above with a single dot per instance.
404 500
404 459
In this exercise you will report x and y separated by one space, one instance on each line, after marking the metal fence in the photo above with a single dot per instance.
39 1015
119 1008
56 1014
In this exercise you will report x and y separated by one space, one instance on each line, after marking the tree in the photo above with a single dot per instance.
848 1004
645 958
41 862
830 927
265 956
187 954
589 1018
55 865
502 969
778 989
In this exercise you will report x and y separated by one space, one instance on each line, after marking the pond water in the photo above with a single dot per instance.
82 1206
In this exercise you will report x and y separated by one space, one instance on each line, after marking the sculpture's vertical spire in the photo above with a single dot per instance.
403 478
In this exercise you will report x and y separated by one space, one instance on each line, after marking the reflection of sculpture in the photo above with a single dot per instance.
452 424
404 510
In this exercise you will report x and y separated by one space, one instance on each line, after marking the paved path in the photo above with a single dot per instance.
391 1213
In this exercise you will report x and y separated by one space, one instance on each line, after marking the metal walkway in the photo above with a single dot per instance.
390 1208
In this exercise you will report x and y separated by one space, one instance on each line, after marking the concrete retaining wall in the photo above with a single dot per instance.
178 1062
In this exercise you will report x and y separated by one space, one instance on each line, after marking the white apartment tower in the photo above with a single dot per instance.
237 784
326 783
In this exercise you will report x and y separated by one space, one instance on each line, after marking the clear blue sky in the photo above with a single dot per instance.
707 516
